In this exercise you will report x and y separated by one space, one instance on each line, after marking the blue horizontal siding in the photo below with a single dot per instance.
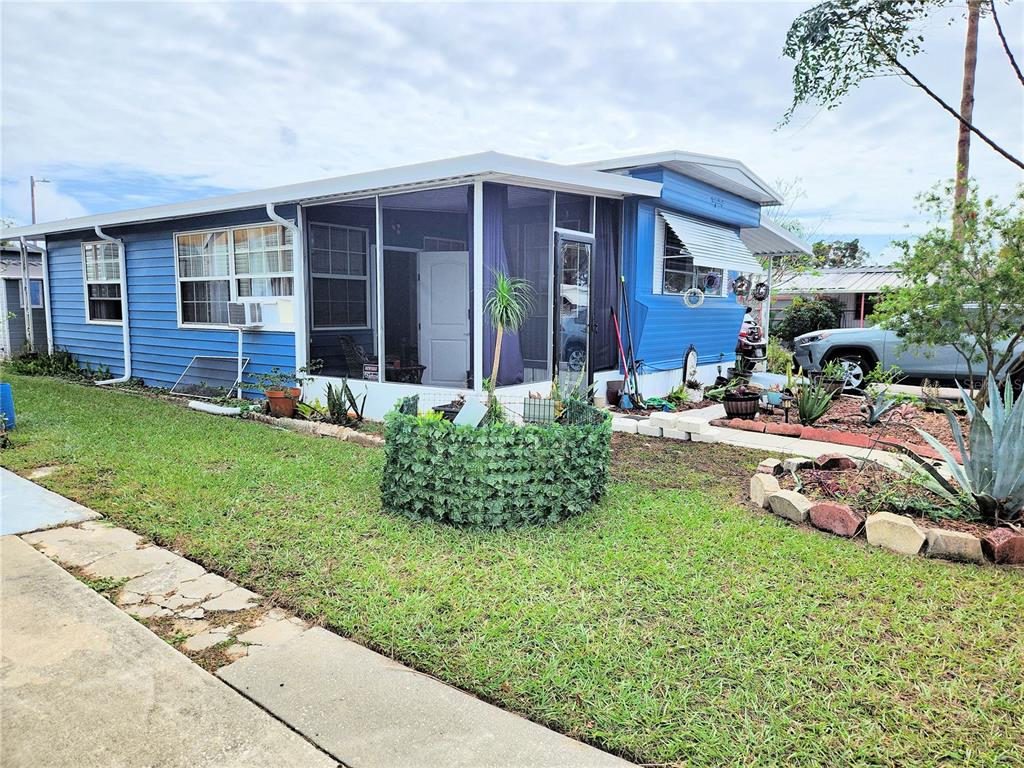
701 199
160 349
663 326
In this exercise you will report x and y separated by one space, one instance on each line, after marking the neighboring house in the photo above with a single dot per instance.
13 328
856 288
383 275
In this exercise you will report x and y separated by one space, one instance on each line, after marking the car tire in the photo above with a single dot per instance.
857 368
576 358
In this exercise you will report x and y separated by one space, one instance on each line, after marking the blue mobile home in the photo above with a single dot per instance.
381 277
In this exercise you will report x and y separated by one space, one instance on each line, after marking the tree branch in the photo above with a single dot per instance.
938 100
1006 45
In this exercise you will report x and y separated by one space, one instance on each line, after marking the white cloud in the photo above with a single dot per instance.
168 101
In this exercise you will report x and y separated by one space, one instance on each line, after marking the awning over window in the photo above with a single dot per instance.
711 245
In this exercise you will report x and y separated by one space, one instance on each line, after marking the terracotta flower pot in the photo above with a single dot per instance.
282 401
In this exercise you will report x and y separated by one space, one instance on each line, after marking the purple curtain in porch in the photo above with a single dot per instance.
495 259
604 286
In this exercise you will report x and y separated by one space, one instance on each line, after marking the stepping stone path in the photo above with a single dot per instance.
160 585
894 532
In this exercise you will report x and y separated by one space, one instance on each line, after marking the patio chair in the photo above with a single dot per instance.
355 358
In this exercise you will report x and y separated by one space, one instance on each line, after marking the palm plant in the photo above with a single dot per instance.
507 305
993 468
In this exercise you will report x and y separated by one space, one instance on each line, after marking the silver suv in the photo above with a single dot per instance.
859 349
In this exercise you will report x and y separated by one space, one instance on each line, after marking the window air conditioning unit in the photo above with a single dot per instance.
245 314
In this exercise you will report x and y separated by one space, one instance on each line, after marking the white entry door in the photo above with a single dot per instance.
443 299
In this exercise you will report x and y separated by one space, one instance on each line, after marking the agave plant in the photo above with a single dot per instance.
875 409
812 401
993 468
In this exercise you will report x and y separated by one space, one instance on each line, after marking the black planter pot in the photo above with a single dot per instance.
745 406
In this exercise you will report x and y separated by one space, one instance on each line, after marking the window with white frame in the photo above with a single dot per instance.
339 276
102 268
679 274
218 266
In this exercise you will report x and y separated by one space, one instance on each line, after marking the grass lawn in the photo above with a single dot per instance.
672 624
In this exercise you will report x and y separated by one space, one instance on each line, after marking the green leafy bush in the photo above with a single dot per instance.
497 476
812 401
59 363
805 315
780 359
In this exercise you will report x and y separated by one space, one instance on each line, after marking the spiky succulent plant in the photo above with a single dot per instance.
993 468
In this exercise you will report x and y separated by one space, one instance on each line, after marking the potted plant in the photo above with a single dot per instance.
695 390
281 391
832 377
742 401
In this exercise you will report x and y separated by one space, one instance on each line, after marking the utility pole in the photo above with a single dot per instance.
32 181
963 144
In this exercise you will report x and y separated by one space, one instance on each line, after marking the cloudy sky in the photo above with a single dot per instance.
124 105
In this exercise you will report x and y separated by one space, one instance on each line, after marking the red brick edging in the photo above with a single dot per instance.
853 439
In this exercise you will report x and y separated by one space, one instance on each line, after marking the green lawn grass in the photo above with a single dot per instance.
671 624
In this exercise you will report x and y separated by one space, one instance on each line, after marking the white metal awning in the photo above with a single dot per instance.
710 245
769 239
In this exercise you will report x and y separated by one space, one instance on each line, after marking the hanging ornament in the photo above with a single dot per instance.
740 286
760 292
693 298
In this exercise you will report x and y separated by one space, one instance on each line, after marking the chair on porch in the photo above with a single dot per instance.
355 358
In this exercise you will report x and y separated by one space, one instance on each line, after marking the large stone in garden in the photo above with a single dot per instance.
834 462
645 427
954 545
761 487
894 532
770 467
790 505
620 424
840 519
795 463
1004 546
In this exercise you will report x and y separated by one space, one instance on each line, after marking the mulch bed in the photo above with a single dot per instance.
844 424
874 488
680 408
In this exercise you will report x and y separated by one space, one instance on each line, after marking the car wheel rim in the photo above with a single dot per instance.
854 373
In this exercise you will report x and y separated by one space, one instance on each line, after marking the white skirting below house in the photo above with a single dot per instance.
381 398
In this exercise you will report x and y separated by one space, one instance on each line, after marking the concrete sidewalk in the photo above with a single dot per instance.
26 506
84 684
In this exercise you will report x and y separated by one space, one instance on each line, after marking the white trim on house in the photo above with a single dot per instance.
476 329
86 282
489 166
722 172
231 279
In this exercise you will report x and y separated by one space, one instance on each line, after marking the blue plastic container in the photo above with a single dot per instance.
7 405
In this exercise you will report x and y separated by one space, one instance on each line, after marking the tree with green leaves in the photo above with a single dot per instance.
507 305
838 44
964 289
838 254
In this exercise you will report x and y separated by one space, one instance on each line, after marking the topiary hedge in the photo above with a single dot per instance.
496 476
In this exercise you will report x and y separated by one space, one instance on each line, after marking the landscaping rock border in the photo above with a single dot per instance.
897 533
321 429
852 439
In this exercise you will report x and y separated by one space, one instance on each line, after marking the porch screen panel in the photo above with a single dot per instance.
518 241
427 286
342 242
604 285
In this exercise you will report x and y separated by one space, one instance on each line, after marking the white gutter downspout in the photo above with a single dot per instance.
26 298
125 329
46 298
